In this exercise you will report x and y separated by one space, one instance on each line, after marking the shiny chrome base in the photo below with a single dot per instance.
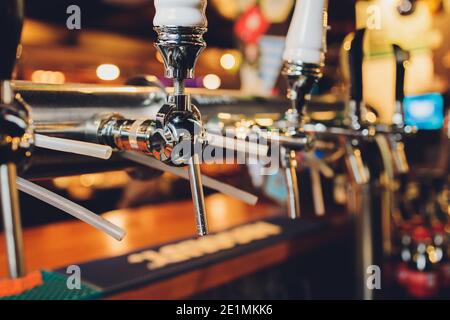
180 48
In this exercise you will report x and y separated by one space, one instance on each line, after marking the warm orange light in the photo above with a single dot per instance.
108 72
212 82
49 77
228 61
446 60
371 117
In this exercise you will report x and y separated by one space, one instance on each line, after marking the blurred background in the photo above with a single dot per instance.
119 34
245 44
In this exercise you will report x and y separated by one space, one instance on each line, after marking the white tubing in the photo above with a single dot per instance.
71 208
180 172
238 145
73 146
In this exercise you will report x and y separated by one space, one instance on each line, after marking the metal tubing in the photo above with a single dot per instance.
364 241
290 169
198 197
11 220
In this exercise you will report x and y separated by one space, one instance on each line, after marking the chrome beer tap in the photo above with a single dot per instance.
180 26
398 121
357 111
17 141
304 57
359 129
16 136
392 151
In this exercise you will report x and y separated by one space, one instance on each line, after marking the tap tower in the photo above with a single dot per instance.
16 136
180 26
304 58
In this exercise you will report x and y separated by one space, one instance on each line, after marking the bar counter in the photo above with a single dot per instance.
60 244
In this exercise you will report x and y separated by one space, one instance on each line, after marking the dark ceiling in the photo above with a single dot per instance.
134 17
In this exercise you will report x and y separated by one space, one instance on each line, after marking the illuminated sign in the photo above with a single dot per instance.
426 112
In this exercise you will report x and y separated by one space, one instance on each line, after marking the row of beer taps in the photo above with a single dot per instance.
180 26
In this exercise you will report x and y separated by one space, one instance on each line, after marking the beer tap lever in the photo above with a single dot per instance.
356 104
401 58
356 109
397 146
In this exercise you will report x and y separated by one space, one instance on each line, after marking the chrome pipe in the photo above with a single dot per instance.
289 164
11 220
198 198
364 243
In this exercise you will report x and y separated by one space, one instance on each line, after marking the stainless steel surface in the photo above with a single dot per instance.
178 87
355 163
70 111
11 220
198 198
126 135
67 107
399 156
180 48
16 137
356 114
72 105
388 193
290 168
364 241
300 78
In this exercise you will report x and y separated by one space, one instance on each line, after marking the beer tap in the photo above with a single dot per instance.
398 127
357 111
17 141
304 57
180 26
16 137
360 129
175 134
392 152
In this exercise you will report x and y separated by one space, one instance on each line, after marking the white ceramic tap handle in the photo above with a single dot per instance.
181 13
306 39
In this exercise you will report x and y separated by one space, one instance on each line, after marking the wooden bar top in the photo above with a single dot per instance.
64 243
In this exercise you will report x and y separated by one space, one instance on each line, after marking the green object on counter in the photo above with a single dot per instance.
55 288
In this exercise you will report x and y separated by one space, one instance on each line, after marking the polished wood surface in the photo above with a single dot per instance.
60 244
